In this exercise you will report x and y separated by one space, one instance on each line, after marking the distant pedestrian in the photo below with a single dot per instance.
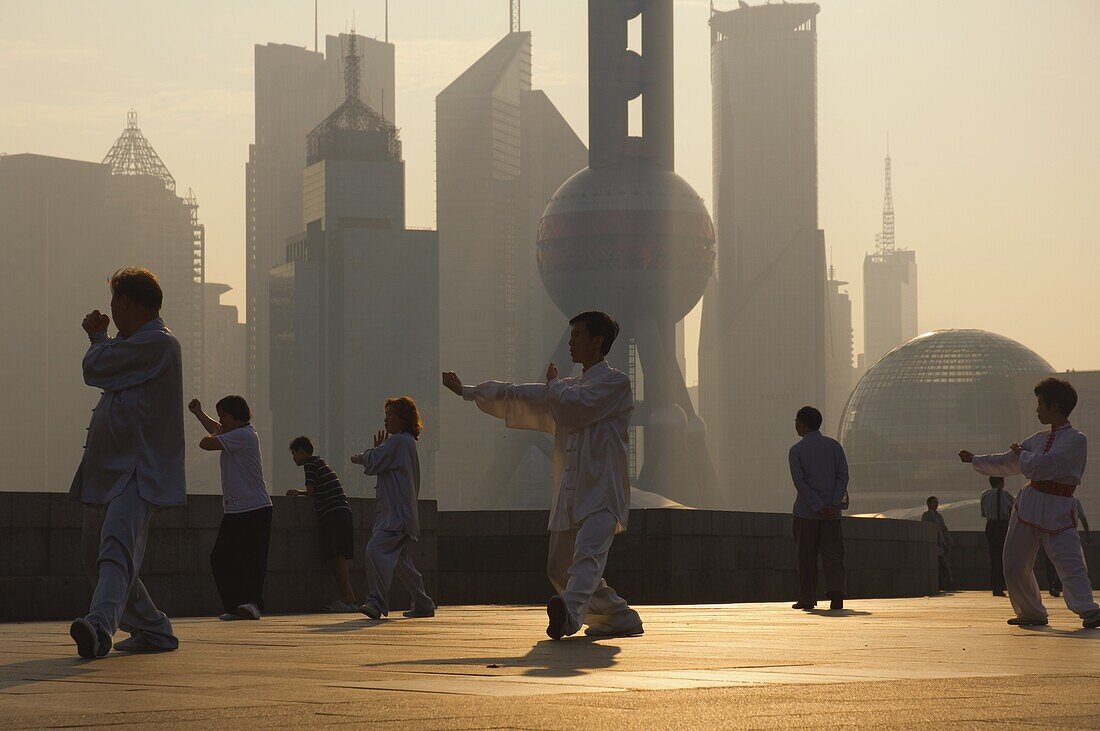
1054 584
1054 462
943 542
819 470
239 558
396 531
996 509
132 464
333 519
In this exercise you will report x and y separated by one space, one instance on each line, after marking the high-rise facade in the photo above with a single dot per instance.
355 308
763 344
889 288
502 149
842 374
295 89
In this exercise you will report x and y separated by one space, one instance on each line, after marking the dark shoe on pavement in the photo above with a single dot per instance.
805 606
836 600
604 633
1029 622
557 615
136 644
415 613
1055 593
999 593
371 611
90 643
1092 621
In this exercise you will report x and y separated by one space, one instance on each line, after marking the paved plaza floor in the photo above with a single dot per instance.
946 661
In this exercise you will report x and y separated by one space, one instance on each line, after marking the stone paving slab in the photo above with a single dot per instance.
946 661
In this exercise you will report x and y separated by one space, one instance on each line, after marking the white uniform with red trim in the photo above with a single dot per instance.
1054 462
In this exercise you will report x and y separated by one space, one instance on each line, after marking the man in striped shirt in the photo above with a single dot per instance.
333 518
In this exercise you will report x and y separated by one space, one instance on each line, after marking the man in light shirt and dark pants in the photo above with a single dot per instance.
996 509
819 470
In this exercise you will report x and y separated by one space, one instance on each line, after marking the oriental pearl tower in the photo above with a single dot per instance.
629 236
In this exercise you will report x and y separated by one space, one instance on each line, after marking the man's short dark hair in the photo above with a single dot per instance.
1056 391
996 481
931 499
301 444
236 407
599 324
809 416
139 285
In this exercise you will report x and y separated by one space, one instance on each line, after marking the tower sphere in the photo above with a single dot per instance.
631 239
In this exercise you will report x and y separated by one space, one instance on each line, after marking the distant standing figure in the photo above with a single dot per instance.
333 519
1054 584
1054 463
239 557
996 509
132 464
396 464
819 470
943 542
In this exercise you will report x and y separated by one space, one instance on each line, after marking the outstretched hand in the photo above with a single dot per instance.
452 382
551 372
356 459
95 322
966 456
195 407
379 437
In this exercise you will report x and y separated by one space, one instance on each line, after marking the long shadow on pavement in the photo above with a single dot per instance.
44 670
838 613
1077 634
548 659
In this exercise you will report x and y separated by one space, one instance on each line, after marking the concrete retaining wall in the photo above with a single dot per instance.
41 575
679 556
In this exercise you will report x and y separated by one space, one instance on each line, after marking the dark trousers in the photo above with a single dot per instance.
1054 582
947 579
816 538
239 558
995 532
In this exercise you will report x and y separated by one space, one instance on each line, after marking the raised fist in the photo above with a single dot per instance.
95 322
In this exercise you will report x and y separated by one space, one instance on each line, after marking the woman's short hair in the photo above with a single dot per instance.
406 411
138 285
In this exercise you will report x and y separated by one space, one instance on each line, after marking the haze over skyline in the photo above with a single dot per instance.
996 162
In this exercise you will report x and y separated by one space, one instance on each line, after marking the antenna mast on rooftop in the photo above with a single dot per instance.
884 242
513 16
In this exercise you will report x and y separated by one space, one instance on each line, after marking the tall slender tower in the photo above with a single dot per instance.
889 287
763 346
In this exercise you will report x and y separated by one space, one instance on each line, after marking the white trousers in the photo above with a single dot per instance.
388 553
1064 549
114 539
575 566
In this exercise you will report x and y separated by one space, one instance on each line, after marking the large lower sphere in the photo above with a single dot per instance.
631 239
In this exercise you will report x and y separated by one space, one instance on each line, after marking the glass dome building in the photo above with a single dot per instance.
921 403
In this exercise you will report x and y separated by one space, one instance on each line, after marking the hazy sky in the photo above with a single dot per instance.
992 108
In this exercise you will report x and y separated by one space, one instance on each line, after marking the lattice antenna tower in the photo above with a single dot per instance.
133 155
884 242
351 68
513 16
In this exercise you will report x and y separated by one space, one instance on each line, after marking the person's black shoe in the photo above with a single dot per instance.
804 606
90 643
557 614
1026 622
999 593
1055 593
1092 621
836 601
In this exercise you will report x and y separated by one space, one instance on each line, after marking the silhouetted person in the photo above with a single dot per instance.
396 464
819 470
132 464
1054 462
333 519
943 542
589 416
1054 584
996 509
239 557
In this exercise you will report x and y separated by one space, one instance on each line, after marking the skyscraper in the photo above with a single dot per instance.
295 89
889 288
355 308
763 340
842 373
502 149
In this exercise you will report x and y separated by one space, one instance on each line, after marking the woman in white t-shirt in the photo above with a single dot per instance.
239 558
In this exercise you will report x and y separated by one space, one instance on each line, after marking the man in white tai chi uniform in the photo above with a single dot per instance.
132 464
1054 462
588 415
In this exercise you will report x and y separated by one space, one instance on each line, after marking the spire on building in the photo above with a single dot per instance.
884 241
513 16
133 155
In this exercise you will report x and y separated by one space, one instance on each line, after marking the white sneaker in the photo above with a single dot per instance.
230 617
248 611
